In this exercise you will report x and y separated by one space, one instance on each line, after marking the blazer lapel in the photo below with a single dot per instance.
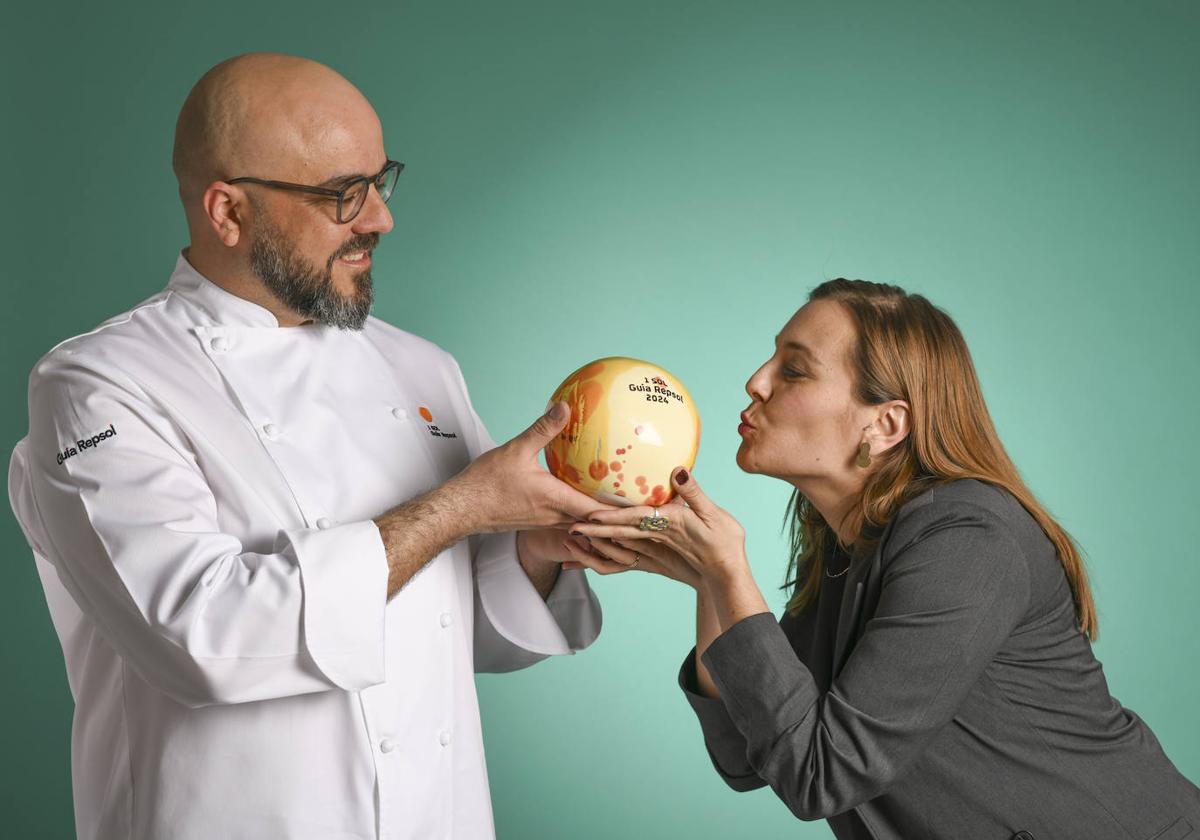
848 614
863 574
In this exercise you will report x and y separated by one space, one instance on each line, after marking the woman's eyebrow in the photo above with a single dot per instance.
802 349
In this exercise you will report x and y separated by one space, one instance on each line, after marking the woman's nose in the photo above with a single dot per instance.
758 385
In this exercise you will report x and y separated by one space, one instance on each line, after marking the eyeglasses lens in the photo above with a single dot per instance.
387 182
352 201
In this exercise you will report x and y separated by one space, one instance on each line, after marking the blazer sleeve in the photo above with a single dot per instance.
725 743
954 587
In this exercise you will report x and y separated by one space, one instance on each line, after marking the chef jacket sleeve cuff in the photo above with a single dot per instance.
575 608
761 680
725 744
343 574
514 626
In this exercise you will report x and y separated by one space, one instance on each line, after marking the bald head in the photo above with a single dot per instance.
269 115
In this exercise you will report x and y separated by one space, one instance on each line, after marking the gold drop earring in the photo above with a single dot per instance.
864 454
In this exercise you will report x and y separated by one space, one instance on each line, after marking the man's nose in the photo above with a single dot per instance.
375 217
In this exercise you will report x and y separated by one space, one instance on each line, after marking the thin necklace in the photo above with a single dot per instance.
843 571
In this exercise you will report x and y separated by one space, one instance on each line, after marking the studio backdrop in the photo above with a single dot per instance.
668 180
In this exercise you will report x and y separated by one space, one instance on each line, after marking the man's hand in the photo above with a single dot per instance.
542 554
506 489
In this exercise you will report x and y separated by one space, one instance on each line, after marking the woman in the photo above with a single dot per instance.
932 676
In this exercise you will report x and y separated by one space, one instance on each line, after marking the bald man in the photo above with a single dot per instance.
275 538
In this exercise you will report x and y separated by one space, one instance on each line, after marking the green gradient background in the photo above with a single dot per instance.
668 181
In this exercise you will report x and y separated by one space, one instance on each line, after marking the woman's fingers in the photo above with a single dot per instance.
620 516
626 524
643 548
697 534
662 560
631 533
608 557
628 557
689 491
593 561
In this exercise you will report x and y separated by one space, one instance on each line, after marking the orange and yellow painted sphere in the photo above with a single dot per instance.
631 423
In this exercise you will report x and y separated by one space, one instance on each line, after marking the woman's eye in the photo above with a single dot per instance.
791 373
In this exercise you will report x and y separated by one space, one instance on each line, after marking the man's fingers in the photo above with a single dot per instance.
579 505
580 542
633 515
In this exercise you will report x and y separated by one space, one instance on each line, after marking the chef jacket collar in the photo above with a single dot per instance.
223 307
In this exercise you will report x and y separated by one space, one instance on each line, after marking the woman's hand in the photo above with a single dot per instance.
702 546
702 543
606 557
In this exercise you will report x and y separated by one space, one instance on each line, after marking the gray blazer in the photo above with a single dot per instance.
940 690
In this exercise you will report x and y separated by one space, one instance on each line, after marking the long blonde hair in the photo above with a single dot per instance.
908 349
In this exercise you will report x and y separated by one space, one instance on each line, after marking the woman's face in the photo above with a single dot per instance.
804 423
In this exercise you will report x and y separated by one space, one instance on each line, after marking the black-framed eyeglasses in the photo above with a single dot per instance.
351 197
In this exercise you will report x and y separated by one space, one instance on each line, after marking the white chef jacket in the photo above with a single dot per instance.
197 486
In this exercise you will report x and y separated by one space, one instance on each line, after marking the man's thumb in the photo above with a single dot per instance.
546 427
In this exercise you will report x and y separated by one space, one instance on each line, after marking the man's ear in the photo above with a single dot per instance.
222 204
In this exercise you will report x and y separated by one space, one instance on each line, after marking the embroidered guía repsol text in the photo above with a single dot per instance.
80 445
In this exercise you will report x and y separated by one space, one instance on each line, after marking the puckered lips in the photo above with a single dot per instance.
746 426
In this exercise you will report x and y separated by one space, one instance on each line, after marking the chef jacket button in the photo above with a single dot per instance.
399 413
446 619
271 430
324 522
444 738
220 344
387 745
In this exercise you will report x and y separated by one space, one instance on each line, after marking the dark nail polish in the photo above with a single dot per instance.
681 477
575 533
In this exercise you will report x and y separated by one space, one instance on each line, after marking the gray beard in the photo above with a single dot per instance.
306 291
